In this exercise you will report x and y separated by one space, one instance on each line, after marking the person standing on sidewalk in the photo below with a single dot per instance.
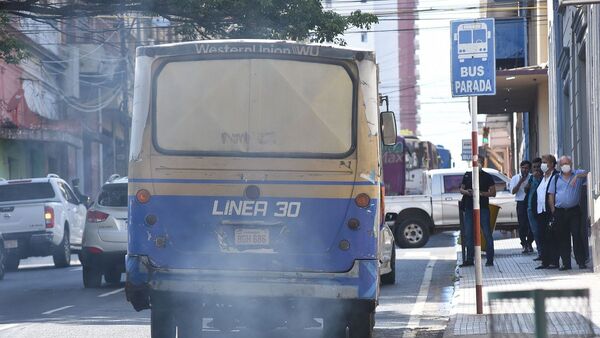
564 193
487 189
531 190
544 214
517 188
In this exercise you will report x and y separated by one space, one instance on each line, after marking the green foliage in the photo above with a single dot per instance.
265 19
11 49
300 20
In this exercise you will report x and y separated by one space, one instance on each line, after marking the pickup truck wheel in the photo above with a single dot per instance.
390 277
92 278
412 233
11 262
62 252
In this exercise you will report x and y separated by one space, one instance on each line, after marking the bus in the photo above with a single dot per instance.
255 188
394 168
472 40
445 157
423 156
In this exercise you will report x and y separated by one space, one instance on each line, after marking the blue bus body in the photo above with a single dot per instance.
226 216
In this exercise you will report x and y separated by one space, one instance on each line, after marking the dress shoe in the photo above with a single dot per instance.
564 268
582 266
542 267
552 266
466 263
489 262
538 258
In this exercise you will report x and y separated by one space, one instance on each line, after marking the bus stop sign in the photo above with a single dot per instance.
473 57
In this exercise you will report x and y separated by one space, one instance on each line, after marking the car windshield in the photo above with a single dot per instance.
113 195
26 191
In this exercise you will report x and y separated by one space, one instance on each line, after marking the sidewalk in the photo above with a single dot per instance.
515 271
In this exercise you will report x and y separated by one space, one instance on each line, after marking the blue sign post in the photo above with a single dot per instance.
473 75
473 57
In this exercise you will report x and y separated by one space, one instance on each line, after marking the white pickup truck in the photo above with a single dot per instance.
40 217
412 218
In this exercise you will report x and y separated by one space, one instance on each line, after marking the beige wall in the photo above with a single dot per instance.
543 118
542 30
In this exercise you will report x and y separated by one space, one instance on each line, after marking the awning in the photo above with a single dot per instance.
516 91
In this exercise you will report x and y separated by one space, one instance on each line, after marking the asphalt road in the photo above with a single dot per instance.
42 301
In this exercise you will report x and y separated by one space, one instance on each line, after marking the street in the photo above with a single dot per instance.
42 301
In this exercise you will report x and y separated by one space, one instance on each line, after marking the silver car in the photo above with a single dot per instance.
105 235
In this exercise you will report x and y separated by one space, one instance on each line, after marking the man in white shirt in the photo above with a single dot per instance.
544 214
517 188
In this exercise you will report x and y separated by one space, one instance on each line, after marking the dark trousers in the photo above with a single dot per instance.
486 229
568 224
525 233
550 253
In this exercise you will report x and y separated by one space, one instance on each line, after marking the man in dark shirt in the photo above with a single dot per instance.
487 189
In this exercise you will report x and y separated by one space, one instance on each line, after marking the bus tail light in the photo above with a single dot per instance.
362 200
49 217
142 196
95 216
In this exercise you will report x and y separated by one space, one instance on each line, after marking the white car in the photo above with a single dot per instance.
40 217
105 235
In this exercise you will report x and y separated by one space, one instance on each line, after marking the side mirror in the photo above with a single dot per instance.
388 128
88 202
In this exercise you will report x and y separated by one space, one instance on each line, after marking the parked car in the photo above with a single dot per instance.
1 257
105 235
413 218
40 217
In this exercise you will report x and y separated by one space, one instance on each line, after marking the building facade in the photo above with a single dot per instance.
66 108
575 98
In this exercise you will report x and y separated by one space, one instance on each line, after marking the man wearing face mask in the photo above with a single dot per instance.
563 195
517 188
531 189
487 189
544 214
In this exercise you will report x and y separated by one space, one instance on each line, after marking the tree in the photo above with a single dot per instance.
200 19
11 49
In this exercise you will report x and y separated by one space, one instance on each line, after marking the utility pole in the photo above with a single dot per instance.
476 208
124 108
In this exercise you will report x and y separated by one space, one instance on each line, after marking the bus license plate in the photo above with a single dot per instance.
11 244
251 236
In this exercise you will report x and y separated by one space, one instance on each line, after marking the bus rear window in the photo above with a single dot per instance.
26 191
253 106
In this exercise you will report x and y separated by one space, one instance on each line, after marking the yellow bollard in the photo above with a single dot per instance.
494 211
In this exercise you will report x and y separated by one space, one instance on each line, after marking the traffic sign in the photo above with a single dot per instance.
467 152
473 57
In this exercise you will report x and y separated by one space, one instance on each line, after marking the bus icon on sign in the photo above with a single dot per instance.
472 41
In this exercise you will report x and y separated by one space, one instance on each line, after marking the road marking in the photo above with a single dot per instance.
59 309
77 269
417 311
111 293
7 326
